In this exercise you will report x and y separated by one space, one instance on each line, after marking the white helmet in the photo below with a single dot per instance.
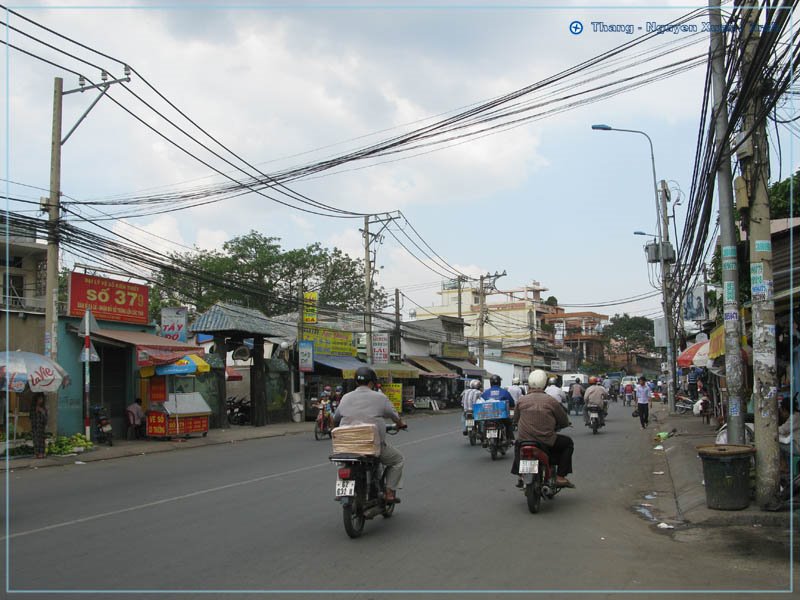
538 379
475 384
515 381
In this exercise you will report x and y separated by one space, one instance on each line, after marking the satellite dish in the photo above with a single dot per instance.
241 353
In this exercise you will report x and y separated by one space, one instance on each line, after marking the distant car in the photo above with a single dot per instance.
626 380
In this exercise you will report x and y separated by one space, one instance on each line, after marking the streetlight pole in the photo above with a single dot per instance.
665 284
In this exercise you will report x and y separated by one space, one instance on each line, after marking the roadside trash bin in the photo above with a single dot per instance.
726 469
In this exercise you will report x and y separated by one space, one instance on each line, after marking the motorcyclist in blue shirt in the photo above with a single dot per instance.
495 392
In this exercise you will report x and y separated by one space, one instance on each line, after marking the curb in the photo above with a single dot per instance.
154 447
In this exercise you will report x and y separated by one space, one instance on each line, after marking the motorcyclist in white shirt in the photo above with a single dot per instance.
556 392
515 389
468 398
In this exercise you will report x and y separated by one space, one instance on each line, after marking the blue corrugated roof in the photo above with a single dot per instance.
229 318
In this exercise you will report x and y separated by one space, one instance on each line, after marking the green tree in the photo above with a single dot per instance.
551 301
253 270
629 334
779 197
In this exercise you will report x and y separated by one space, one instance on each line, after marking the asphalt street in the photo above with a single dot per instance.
260 515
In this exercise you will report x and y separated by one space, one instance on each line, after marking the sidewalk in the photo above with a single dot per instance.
685 469
232 434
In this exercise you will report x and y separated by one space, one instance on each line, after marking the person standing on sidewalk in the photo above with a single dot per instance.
643 397
38 417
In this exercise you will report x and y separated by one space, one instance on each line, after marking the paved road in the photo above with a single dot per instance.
259 515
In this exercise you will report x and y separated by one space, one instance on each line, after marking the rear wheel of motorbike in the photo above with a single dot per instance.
594 426
493 450
473 439
533 494
317 432
353 520
680 409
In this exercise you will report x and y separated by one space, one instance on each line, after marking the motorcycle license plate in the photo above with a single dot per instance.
470 423
594 415
528 466
492 433
345 487
106 428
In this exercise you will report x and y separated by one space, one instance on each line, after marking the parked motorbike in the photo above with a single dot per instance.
683 404
470 425
238 410
538 477
360 483
408 406
495 438
103 433
324 423
596 418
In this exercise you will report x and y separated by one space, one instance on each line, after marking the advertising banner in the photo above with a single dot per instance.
158 389
380 347
310 307
394 392
694 305
305 352
330 342
174 323
108 299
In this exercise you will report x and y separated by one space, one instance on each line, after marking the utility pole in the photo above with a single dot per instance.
300 325
531 327
54 214
668 304
481 318
367 290
459 296
730 266
397 323
755 169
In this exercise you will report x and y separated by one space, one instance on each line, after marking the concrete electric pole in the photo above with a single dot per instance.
755 168
734 373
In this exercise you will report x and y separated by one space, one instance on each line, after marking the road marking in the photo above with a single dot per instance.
228 486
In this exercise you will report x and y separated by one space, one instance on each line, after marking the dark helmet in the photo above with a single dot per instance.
495 380
364 375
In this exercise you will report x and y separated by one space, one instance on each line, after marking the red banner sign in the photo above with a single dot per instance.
109 299
162 425
158 389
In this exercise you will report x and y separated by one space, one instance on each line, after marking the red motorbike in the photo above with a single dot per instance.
538 476
324 423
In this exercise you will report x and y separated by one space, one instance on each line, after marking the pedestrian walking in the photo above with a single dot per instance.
643 397
38 416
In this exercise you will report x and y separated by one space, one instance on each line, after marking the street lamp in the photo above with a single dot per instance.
664 274
644 233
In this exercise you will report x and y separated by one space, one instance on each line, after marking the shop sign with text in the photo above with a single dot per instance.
108 299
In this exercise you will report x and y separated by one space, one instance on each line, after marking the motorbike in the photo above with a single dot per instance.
576 404
683 404
238 411
596 420
472 430
538 476
103 432
495 439
627 399
408 406
360 482
323 425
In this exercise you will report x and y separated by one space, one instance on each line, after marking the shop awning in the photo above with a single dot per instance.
151 350
716 342
346 364
695 355
467 368
399 370
432 367
232 374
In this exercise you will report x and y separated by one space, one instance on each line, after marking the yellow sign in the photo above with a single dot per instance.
394 392
310 307
330 342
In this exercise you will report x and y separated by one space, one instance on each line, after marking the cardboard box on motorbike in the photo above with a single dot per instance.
360 438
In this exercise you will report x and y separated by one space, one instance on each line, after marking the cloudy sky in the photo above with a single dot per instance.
549 200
